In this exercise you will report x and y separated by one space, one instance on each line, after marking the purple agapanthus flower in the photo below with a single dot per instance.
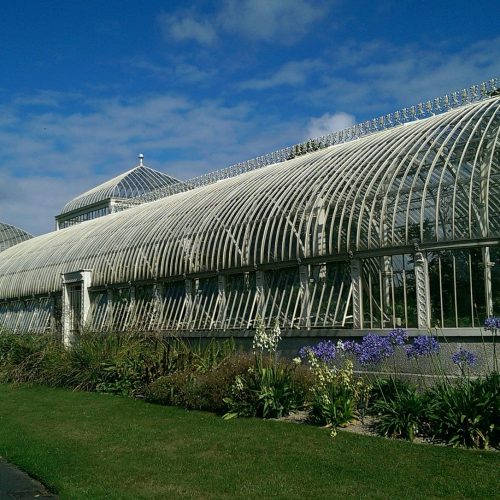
463 358
304 352
373 349
325 351
398 336
350 347
492 324
423 345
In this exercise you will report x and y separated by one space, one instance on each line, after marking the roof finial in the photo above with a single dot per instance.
141 160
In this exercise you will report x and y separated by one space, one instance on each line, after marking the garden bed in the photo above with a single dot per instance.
214 376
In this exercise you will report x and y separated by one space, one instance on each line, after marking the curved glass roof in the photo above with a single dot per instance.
133 183
434 181
11 235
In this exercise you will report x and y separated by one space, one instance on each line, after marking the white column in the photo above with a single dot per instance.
158 293
357 294
260 293
304 275
422 290
387 290
191 286
487 281
484 220
109 308
86 284
53 309
221 299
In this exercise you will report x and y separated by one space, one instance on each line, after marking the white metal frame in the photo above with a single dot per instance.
429 184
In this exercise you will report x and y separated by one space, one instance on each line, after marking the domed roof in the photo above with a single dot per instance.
131 184
11 235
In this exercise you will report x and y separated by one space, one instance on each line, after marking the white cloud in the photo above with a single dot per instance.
375 77
423 74
31 202
294 73
329 123
282 22
185 27
276 20
48 158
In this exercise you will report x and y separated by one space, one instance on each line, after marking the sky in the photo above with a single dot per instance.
87 85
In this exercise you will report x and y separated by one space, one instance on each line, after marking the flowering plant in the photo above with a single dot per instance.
371 350
323 351
336 390
463 357
265 340
492 324
398 336
267 390
423 345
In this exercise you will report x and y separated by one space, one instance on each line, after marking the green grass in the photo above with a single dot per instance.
85 445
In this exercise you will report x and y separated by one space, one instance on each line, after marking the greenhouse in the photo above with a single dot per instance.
11 235
114 195
394 222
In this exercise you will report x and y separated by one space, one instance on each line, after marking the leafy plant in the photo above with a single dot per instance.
468 413
333 404
266 390
336 395
385 389
199 390
402 415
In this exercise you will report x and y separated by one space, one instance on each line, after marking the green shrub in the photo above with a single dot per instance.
172 390
33 359
468 413
388 389
114 363
333 404
303 382
266 390
402 415
126 363
214 386
336 391
199 390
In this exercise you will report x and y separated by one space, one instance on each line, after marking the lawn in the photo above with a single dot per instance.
85 445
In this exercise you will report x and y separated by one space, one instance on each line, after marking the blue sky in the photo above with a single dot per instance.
87 85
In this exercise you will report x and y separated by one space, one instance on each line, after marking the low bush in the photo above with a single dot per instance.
303 382
265 390
402 415
200 390
33 359
333 404
113 363
467 413
388 389
215 385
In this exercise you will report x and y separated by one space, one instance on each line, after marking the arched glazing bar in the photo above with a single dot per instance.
11 235
131 184
431 184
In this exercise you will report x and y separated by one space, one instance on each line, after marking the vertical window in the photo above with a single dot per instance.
457 287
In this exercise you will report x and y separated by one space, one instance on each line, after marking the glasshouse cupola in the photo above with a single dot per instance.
114 195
